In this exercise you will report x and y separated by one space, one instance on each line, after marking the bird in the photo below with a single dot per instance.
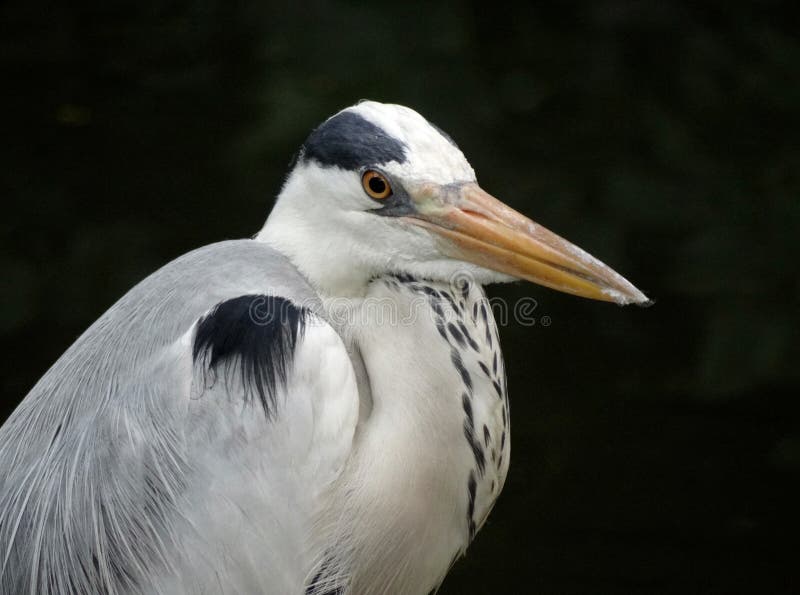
320 409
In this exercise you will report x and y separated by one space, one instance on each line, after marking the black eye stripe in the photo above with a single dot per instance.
349 141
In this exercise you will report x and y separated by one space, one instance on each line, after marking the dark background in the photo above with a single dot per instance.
655 450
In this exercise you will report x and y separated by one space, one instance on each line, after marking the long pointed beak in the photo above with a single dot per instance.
482 230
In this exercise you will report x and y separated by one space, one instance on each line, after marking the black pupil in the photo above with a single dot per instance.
377 185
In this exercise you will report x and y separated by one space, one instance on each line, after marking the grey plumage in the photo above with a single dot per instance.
95 456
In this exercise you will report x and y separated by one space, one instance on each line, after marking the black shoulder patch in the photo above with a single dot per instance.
351 142
254 335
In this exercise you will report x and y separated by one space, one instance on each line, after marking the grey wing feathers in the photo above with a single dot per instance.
96 460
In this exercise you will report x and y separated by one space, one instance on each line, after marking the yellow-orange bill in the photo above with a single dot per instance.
482 230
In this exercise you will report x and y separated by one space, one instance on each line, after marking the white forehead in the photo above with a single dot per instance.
429 154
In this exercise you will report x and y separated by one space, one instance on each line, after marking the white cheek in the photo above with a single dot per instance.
335 188
422 244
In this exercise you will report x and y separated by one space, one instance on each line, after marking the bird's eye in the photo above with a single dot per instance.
376 185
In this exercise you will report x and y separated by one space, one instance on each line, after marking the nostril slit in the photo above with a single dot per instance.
474 213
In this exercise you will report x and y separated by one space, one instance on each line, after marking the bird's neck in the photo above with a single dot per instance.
431 450
405 479
317 254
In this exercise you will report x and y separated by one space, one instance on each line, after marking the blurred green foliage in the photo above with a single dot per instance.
655 450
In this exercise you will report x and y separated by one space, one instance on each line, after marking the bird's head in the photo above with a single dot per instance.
377 189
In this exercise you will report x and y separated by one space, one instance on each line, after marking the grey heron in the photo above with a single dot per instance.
244 420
